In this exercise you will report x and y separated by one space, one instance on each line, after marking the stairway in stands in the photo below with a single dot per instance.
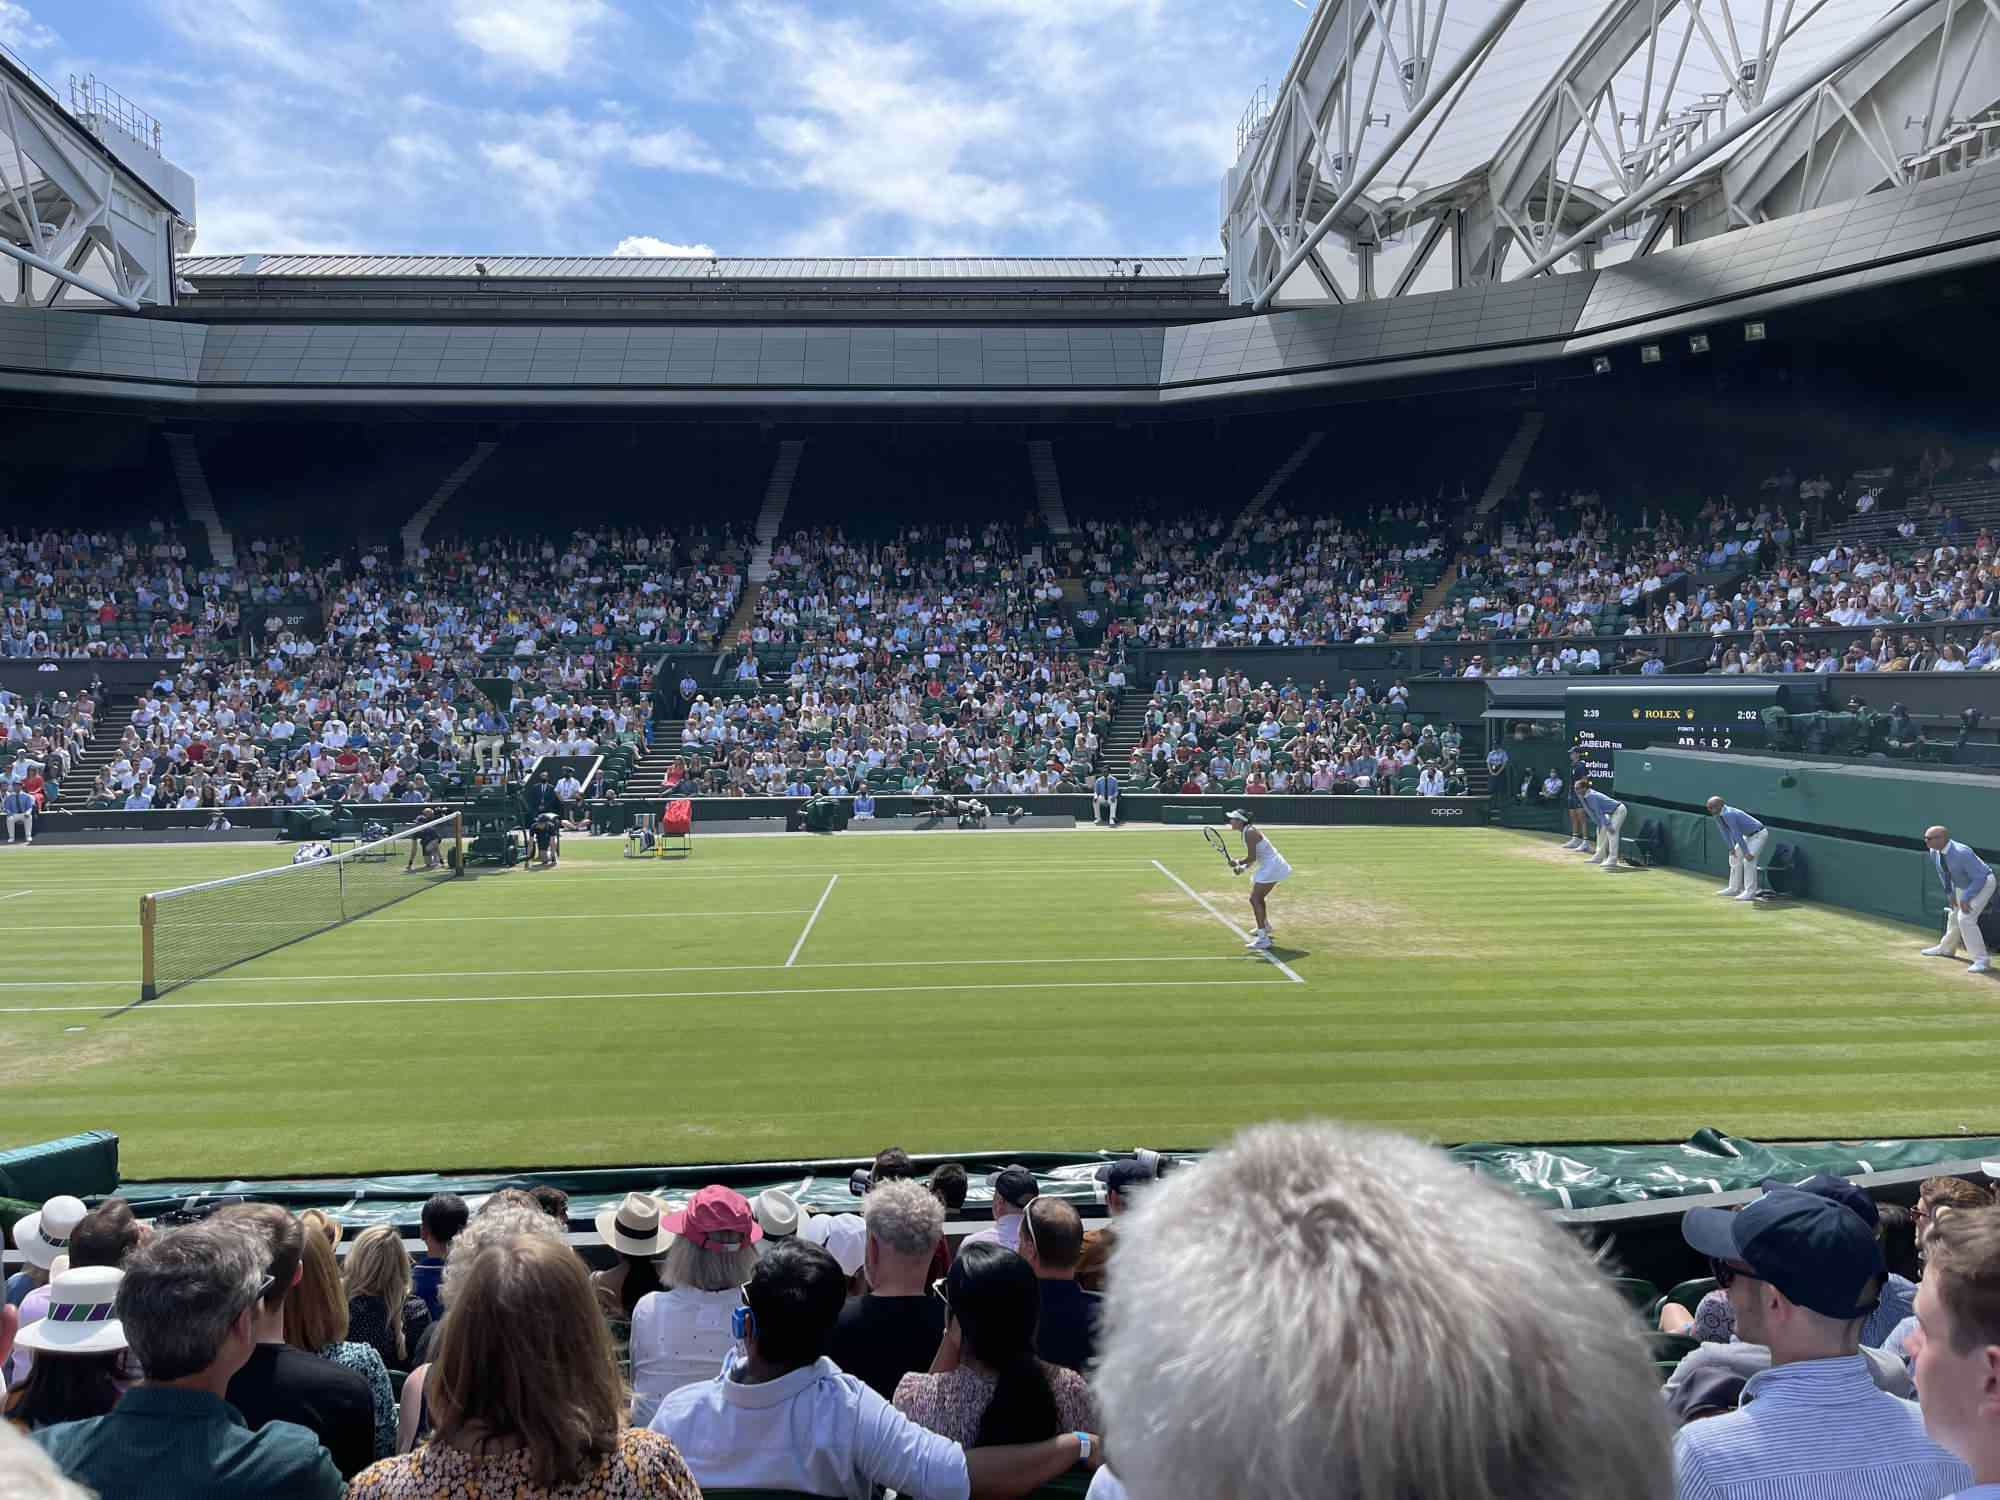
198 499
102 749
777 495
1513 459
1128 727
1499 485
1048 486
1276 482
413 529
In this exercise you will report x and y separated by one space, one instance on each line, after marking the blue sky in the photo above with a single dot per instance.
777 127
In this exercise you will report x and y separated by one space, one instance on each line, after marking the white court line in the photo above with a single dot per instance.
852 963
1284 967
818 906
561 999
582 916
12 894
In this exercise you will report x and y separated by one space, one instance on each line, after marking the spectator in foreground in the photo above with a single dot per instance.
784 1416
1351 1275
1803 1272
779 1215
79 1351
524 1393
680 1336
40 1237
500 1217
896 1327
1051 1243
1958 1365
444 1215
316 1324
381 1308
27 1473
188 1305
279 1383
986 1386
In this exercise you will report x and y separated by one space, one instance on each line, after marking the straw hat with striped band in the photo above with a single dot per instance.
82 1316
44 1235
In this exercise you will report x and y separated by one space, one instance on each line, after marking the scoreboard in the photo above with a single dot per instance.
1708 715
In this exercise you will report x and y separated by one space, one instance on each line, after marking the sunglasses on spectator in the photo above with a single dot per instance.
1728 1271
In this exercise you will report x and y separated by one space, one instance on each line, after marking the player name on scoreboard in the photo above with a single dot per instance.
1719 716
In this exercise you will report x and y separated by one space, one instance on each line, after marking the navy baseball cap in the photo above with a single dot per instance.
1122 1176
1839 1189
1016 1185
1817 1251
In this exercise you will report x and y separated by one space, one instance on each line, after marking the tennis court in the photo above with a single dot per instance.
788 997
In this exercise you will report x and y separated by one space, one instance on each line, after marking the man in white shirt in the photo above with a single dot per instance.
783 1416
569 793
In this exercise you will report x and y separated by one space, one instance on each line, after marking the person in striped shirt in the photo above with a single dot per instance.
1608 813
1802 1273
1968 886
1958 1358
1746 838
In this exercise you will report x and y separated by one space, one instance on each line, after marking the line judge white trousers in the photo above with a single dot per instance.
1962 927
1103 809
1743 873
1607 839
22 825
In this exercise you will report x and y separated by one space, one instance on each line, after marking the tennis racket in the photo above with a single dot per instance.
1221 846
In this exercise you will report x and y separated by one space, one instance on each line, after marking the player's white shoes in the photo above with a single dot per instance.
1261 938
1981 966
1574 843
1748 896
1937 951
1729 890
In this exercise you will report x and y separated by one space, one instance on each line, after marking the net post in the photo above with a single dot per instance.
148 987
458 842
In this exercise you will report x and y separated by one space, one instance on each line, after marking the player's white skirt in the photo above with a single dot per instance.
1270 871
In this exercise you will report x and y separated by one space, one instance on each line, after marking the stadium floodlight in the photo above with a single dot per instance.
1649 354
196 930
1600 364
1697 343
1753 333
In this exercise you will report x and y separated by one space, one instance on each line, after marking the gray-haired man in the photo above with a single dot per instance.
1306 1269
188 1304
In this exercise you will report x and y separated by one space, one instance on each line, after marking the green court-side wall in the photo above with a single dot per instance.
1855 830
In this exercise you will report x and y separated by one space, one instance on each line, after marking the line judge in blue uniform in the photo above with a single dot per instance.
1746 838
1104 799
1968 886
1608 813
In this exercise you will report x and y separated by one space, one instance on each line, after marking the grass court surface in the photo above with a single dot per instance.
800 996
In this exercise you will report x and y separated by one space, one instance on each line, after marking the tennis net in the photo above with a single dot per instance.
193 931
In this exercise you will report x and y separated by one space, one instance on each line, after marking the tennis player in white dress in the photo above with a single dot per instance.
1266 866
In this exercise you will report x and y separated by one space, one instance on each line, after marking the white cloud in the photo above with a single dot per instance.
20 30
883 129
537 36
645 244
550 183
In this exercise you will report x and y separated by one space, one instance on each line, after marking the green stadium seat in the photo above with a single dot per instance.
1635 1290
1686 1294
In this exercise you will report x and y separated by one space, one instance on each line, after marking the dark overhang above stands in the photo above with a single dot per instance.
637 289
1945 233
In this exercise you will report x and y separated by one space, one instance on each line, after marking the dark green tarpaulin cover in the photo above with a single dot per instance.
1570 1176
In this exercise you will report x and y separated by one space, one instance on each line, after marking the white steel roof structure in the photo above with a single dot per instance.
696 268
1425 144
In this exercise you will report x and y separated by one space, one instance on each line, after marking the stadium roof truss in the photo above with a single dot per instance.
78 227
1421 145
